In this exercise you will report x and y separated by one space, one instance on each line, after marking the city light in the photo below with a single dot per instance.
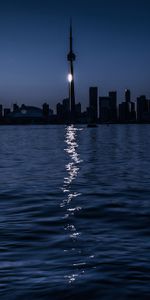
70 77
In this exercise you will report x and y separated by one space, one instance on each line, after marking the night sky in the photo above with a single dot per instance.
111 41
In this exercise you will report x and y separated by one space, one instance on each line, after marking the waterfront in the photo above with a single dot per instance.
75 212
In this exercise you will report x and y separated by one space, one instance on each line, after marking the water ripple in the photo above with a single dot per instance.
75 212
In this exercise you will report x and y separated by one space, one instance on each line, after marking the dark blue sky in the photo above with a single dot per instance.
111 40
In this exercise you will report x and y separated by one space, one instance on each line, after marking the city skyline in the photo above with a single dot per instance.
111 42
100 110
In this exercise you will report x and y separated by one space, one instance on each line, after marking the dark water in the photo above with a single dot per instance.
75 212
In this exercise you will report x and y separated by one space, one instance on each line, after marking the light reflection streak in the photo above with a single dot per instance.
70 194
73 166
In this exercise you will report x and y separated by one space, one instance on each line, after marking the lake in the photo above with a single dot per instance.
75 212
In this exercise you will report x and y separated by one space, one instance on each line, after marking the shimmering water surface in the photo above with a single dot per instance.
75 212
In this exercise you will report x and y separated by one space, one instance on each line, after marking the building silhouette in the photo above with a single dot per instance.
127 111
6 112
93 99
71 58
46 111
113 106
69 111
127 95
104 109
59 112
66 105
78 112
143 109
124 111
108 108
15 107
63 111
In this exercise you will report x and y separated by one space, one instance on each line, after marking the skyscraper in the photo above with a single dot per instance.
127 95
71 58
113 106
104 109
93 95
143 109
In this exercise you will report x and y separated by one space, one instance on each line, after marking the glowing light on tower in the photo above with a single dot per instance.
70 78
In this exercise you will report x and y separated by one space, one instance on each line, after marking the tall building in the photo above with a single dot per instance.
93 95
113 106
66 110
66 106
127 95
15 107
108 108
45 110
78 111
127 111
7 112
124 112
143 109
59 112
63 111
71 58
104 109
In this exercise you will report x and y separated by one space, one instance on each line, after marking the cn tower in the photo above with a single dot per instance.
71 58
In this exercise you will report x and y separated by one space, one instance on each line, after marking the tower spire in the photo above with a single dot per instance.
71 58
70 34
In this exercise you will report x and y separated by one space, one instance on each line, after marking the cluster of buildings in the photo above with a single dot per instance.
100 110
25 114
105 109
